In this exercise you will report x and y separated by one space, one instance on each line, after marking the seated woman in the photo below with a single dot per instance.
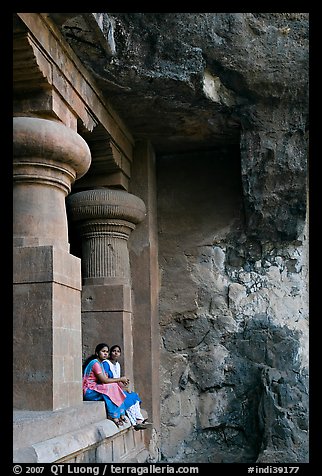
132 402
99 386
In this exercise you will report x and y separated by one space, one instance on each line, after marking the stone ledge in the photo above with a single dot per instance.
30 427
63 435
63 446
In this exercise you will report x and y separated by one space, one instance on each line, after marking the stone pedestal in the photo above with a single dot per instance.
105 219
48 157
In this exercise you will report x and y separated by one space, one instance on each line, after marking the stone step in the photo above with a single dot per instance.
30 427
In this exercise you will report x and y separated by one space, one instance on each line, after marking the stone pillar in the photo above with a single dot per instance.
48 158
105 218
145 276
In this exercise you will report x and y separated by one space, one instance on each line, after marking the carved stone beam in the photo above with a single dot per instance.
110 167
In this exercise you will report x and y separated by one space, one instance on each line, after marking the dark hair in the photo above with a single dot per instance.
100 347
114 347
94 356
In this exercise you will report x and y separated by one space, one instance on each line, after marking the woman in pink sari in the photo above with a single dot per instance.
98 386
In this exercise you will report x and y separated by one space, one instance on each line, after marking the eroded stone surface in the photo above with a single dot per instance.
195 81
234 325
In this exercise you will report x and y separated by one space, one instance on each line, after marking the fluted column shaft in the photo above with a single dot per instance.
105 249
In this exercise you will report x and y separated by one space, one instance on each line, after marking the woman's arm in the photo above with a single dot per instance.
104 379
101 376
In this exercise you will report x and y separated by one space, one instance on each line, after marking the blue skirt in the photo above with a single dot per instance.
112 410
130 399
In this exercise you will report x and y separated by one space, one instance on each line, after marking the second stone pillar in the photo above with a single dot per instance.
105 219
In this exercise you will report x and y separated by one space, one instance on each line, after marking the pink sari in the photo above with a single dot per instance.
90 380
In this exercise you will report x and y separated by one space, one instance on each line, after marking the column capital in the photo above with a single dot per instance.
106 203
46 150
105 218
47 158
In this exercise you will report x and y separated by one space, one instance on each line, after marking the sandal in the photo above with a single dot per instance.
124 419
140 426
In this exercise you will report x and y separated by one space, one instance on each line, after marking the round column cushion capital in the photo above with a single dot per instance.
39 138
106 203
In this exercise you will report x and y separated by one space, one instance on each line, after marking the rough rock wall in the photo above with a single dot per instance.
198 80
234 323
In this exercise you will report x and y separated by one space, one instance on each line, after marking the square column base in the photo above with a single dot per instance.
47 370
107 317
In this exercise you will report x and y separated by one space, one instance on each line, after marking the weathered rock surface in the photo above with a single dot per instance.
234 324
193 81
